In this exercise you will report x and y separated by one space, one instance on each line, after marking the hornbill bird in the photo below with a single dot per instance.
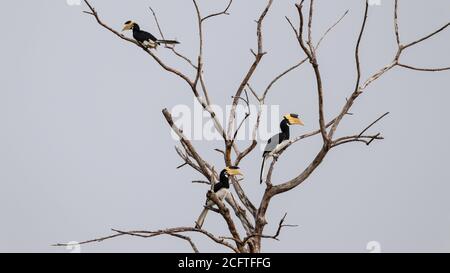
145 38
221 189
273 142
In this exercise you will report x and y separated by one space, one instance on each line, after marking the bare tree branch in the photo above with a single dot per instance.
292 68
424 69
201 163
184 237
311 54
227 217
246 100
172 48
357 138
361 137
281 225
357 90
224 12
187 161
426 37
206 104
241 214
358 43
243 197
254 142
248 76
373 123
397 35
150 234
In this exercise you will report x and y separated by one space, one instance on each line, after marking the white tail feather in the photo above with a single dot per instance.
265 169
201 218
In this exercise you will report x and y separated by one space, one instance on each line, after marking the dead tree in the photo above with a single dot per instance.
251 217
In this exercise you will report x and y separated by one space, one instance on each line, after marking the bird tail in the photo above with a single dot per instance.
168 42
262 170
201 218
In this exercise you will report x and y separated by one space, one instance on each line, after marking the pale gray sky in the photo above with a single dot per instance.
84 147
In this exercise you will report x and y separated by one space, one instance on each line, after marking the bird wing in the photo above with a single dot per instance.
217 187
272 144
145 36
201 218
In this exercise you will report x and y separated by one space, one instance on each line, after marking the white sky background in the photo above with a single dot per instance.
84 147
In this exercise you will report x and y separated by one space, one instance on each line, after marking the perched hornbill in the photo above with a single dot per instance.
145 38
273 142
221 190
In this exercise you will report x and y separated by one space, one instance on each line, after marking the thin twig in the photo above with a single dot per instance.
292 68
281 225
397 35
224 12
372 124
424 69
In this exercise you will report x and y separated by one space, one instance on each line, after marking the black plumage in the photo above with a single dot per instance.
224 182
144 37
273 142
277 139
221 189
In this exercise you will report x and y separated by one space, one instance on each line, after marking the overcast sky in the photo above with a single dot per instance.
84 147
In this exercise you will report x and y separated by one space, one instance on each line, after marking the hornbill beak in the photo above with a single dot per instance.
128 26
233 171
293 119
